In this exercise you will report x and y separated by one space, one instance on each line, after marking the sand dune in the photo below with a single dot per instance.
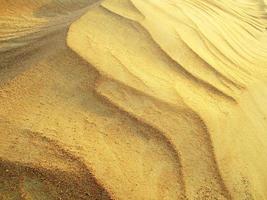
133 99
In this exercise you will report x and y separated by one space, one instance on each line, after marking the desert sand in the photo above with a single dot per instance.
133 99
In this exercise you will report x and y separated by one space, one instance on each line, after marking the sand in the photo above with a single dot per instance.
133 99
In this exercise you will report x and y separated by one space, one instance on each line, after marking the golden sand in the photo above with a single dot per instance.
133 99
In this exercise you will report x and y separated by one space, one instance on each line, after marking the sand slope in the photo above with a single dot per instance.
133 99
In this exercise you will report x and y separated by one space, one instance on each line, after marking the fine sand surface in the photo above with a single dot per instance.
133 99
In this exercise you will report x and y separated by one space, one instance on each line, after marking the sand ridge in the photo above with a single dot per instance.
133 99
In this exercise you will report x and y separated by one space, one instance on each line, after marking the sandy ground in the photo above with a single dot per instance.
133 99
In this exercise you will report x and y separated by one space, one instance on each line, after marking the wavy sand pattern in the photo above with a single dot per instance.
133 99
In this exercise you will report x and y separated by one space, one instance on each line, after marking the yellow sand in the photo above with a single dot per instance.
133 99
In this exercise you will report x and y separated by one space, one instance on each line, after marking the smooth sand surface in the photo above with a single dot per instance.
133 99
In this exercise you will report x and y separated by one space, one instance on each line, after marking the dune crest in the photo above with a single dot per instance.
133 99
